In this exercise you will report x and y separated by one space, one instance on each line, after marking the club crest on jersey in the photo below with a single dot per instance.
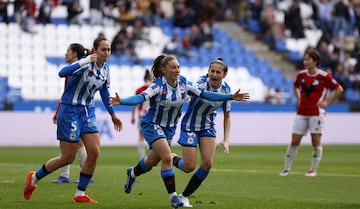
315 82
158 130
190 139
181 89
104 72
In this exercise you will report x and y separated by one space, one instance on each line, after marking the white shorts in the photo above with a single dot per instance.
314 124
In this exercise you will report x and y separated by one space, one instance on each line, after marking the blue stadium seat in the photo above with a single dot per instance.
254 25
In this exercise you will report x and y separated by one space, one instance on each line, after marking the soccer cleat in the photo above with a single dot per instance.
284 172
77 181
84 198
29 188
61 179
129 181
185 201
176 202
310 173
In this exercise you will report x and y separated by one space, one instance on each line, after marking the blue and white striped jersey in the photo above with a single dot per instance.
166 102
200 114
84 82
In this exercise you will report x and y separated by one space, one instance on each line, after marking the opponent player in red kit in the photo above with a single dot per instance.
142 109
310 88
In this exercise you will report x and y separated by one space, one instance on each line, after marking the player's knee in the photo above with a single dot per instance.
207 164
189 167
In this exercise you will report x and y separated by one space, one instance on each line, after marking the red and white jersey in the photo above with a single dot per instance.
142 107
313 89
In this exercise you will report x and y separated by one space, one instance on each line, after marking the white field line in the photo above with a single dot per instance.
269 172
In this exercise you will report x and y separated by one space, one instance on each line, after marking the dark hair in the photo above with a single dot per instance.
220 61
97 41
80 50
148 76
160 62
313 54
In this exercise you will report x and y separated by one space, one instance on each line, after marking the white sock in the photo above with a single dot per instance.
290 156
79 193
65 171
34 180
316 157
82 155
141 148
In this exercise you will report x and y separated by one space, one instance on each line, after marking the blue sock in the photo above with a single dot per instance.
201 173
84 181
41 172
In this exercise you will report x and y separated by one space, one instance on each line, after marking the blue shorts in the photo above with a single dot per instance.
153 132
191 138
73 121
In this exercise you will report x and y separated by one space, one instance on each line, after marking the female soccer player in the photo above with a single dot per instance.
310 88
77 118
198 128
142 109
73 53
167 94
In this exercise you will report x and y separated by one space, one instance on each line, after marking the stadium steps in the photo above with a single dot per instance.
250 40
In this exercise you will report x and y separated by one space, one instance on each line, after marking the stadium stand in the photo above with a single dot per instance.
33 60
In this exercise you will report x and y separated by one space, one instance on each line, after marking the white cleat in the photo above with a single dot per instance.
310 173
186 201
284 172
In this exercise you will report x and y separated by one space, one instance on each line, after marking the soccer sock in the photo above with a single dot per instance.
316 157
290 155
65 171
141 168
168 177
82 155
195 181
178 162
40 173
84 181
141 148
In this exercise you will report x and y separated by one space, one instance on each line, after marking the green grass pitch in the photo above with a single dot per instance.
247 178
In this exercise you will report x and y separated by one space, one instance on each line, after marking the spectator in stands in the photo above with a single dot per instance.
111 14
77 118
139 30
352 17
96 8
342 76
357 16
18 7
256 7
211 12
74 13
274 96
3 12
196 36
270 28
183 15
198 128
324 23
341 19
310 88
175 47
45 10
126 14
28 18
293 21
118 44
166 9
